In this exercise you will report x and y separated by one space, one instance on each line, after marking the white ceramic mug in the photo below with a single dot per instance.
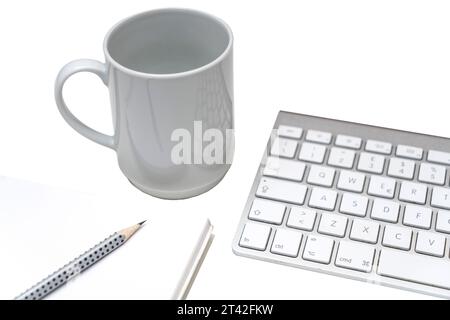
166 70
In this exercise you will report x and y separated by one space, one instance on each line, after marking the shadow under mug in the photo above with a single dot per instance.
170 78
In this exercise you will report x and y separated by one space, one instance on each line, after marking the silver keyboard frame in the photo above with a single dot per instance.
365 132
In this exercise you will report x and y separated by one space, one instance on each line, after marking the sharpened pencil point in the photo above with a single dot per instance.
141 223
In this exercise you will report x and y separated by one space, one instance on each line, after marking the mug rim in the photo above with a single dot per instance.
131 18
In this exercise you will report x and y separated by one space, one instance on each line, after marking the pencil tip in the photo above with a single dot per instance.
141 223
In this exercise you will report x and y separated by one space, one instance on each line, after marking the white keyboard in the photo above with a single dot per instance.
353 200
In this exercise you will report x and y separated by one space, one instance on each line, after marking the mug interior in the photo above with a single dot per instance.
168 41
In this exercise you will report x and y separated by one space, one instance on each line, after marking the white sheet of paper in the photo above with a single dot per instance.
43 228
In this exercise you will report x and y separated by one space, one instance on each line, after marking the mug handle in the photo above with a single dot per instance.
83 65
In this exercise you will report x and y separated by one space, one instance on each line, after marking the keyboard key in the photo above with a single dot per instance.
302 219
283 148
355 256
354 204
385 210
378 146
322 176
255 236
397 237
432 173
401 168
443 221
417 216
351 181
348 141
333 224
312 152
323 199
413 192
439 157
440 198
287 191
430 243
290 132
372 163
415 268
284 168
342 158
382 187
318 249
286 243
365 230
409 152
318 136
267 211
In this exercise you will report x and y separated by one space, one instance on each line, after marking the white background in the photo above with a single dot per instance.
379 62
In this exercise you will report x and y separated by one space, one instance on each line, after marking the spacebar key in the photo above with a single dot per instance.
415 268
